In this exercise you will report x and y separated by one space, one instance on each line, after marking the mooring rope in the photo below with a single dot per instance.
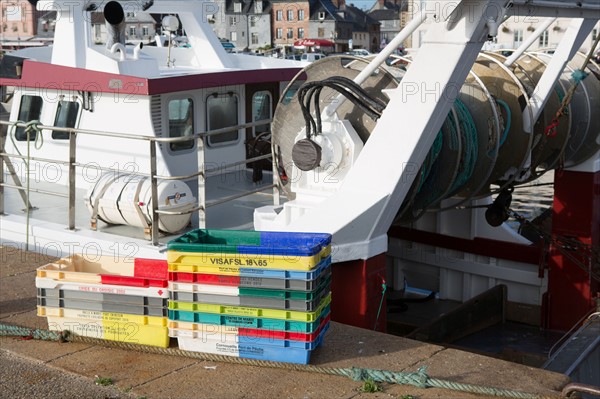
418 379
578 75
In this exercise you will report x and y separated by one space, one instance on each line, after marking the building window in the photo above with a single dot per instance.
12 12
237 7
258 7
181 122
232 21
145 31
321 32
290 15
300 33
130 15
29 110
233 36
252 21
300 15
543 40
321 15
290 33
66 116
279 33
222 112
132 31
254 38
517 38
279 16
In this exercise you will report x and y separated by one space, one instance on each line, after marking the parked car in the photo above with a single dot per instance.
310 57
360 52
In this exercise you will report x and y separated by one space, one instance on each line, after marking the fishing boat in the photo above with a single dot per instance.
117 149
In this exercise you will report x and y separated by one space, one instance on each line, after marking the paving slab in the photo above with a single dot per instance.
166 376
44 351
125 367
14 261
26 379
17 294
471 368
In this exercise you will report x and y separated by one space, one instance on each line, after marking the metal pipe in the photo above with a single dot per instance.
154 189
49 160
201 181
2 139
34 190
380 58
528 42
115 24
577 387
72 184
139 137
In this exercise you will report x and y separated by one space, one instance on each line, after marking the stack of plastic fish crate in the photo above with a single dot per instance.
110 298
249 294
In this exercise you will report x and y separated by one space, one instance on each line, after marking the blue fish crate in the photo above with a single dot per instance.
255 348
251 242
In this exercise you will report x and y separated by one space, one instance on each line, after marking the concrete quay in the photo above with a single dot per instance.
28 364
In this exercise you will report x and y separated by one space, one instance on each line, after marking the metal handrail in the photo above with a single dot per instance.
144 137
35 190
154 177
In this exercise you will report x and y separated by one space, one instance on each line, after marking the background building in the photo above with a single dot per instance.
290 23
393 16
246 24
139 27
515 30
18 20
327 21
365 29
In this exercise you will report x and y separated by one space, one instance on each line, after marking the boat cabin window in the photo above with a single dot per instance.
288 96
222 112
30 109
181 122
261 110
66 116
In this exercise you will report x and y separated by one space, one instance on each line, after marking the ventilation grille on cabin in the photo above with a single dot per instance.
155 110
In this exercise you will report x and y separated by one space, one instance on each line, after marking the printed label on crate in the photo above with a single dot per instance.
250 322
277 353
251 311
101 316
113 331
278 273
239 310
227 262
225 333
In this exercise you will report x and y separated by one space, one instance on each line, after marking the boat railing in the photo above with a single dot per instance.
152 230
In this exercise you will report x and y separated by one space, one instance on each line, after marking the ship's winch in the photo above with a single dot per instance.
482 148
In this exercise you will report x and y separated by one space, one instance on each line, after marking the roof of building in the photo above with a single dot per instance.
326 6
385 15
398 5
360 19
